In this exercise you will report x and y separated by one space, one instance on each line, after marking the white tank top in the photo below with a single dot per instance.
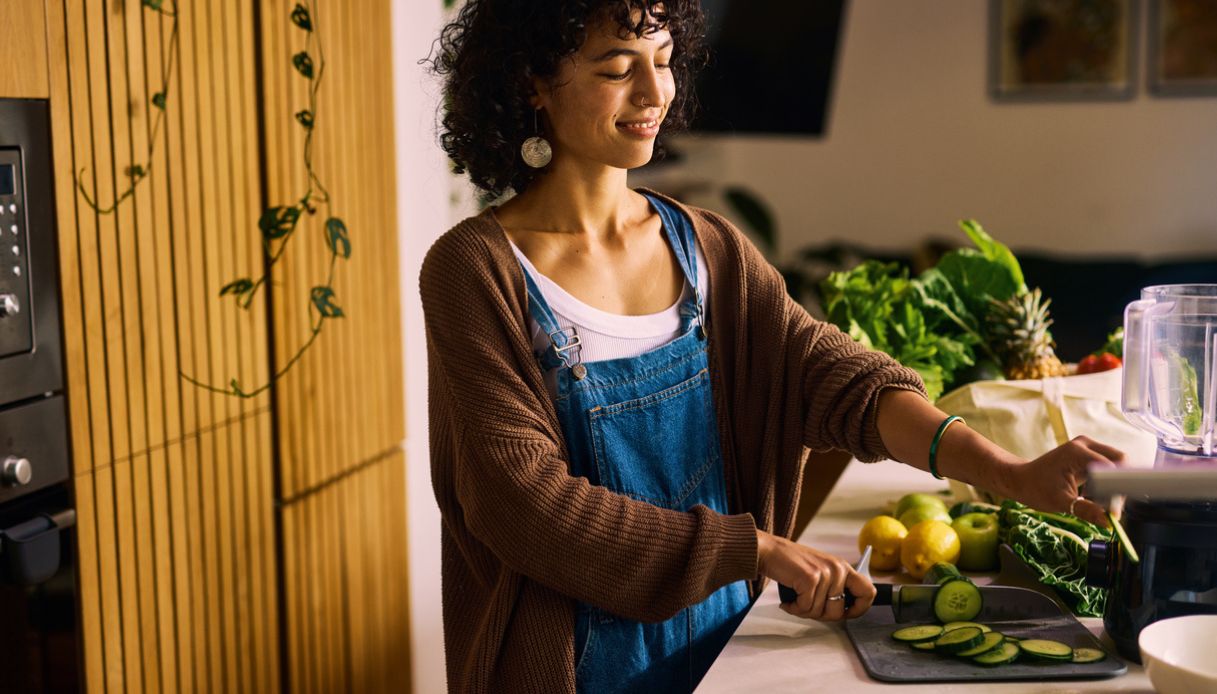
604 335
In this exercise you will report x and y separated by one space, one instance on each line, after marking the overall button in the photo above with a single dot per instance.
579 371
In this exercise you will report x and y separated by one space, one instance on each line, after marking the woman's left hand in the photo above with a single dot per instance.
1053 481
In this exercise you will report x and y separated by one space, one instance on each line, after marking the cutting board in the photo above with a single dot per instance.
1015 612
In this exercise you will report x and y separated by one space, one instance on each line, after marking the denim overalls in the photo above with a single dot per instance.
645 427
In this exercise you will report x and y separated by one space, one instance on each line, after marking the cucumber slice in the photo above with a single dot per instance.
1088 655
1005 653
1045 649
1122 538
959 640
991 640
923 645
941 573
922 632
952 626
957 600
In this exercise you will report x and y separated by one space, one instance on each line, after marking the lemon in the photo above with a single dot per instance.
884 534
926 544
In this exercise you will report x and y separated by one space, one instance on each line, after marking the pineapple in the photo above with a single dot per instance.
1018 330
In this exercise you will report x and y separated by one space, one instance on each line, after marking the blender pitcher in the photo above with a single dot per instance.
1170 370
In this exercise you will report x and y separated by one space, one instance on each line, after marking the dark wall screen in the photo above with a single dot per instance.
771 65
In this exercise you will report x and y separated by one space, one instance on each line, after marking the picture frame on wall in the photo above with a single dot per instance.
1060 50
1183 47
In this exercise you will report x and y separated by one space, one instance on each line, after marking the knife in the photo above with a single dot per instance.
912 601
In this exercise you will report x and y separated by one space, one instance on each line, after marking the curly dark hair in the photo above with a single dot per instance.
494 49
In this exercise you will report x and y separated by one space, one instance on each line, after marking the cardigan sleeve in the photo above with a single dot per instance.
502 460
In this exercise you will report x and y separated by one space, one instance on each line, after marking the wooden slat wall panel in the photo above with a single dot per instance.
342 419
174 486
178 489
343 403
347 628
23 36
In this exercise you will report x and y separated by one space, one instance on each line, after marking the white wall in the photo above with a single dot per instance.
423 184
915 143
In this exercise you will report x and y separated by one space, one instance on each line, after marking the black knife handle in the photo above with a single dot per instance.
788 594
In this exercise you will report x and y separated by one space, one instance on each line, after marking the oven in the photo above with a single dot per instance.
39 606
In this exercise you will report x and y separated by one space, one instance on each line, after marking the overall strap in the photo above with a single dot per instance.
679 230
563 348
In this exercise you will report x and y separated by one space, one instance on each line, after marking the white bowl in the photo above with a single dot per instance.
1179 654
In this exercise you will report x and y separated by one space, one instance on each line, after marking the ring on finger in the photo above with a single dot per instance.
1074 503
836 597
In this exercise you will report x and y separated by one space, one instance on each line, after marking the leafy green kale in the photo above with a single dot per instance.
933 323
1055 546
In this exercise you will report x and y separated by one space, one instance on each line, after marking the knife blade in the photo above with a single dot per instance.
908 602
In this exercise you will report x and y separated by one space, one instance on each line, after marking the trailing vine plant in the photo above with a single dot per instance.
277 224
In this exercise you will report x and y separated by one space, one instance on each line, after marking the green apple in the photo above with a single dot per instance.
916 514
977 541
917 499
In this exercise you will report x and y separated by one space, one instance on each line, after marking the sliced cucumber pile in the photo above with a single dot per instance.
1088 655
952 626
1005 653
959 640
982 645
925 632
989 641
1046 650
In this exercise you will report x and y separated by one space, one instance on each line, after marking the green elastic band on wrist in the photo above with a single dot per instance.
934 444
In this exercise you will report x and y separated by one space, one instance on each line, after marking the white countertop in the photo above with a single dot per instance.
773 652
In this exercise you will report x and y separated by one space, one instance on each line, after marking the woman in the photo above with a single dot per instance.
622 393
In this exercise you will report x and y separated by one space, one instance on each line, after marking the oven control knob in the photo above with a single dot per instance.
16 471
9 305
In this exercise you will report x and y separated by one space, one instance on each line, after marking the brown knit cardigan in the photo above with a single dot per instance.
522 539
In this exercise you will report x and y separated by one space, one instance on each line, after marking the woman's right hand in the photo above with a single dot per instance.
815 576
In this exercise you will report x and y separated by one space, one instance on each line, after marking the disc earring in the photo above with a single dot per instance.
536 151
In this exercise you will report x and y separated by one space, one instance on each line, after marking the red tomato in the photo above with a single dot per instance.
1094 363
1088 364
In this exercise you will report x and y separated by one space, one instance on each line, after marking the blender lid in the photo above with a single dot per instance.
1197 483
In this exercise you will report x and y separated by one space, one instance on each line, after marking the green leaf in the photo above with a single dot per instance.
303 63
994 250
322 298
449 4
158 100
154 4
336 237
135 171
976 278
237 287
1055 548
306 118
300 17
276 222
754 213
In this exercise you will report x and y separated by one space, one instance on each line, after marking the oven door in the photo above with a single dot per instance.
39 636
